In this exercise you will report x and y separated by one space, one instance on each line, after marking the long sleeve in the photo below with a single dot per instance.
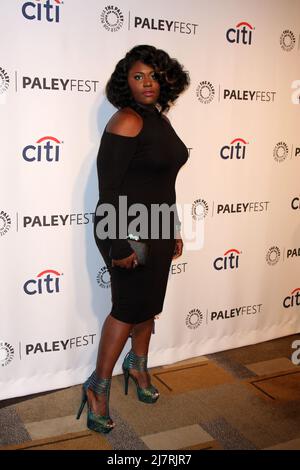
114 157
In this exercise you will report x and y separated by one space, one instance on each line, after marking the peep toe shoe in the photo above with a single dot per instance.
132 361
98 423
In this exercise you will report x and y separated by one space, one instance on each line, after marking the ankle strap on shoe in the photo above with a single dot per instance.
99 386
137 362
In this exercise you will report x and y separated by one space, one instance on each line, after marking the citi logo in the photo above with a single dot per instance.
292 300
46 282
235 150
48 10
295 203
242 33
230 260
46 149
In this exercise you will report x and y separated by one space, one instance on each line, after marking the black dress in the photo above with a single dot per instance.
143 168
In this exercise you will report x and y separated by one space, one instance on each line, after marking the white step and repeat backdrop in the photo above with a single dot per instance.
240 121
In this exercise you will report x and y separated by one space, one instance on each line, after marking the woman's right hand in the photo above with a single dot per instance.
128 263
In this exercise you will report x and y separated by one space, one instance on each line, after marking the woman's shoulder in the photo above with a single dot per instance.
125 122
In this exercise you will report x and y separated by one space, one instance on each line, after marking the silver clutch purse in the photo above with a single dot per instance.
141 249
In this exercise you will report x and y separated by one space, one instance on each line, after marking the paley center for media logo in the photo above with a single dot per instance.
194 318
282 151
103 277
4 80
42 10
273 255
7 353
45 149
112 19
5 223
200 208
46 282
240 34
287 40
205 93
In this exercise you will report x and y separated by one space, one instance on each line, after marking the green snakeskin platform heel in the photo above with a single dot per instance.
98 423
132 361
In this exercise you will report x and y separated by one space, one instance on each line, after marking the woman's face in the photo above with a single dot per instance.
143 83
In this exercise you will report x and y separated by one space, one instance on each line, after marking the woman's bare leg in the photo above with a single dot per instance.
140 339
113 339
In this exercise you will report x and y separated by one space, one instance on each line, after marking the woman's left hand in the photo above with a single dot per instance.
178 248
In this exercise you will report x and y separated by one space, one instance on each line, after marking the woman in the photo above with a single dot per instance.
139 157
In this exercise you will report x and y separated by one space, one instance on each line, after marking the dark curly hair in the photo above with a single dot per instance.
172 78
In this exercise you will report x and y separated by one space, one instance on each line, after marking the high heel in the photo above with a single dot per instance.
132 361
98 423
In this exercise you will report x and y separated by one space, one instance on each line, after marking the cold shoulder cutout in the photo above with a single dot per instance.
125 123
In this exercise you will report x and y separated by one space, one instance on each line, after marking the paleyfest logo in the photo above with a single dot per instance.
112 18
